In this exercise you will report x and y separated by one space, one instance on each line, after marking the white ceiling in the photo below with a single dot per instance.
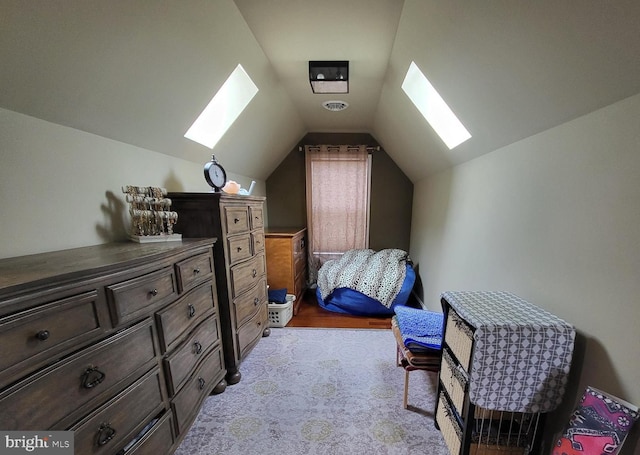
140 72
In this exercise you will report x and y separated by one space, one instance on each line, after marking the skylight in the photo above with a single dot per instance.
433 108
223 109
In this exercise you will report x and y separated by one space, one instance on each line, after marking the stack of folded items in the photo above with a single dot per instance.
421 330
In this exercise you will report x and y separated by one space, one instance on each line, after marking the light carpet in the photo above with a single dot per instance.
319 391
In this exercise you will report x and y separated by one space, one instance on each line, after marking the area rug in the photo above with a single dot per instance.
320 391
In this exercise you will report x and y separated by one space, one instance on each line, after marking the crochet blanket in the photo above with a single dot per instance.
378 275
421 330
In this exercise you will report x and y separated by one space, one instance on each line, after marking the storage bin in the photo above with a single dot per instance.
281 313
459 337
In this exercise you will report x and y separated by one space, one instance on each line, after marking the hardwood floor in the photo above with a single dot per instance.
310 314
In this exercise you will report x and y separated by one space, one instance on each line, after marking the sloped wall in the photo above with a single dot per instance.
60 187
391 192
554 219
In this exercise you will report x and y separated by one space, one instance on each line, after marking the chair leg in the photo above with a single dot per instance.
406 389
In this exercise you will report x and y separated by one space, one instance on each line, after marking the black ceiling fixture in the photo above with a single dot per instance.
329 76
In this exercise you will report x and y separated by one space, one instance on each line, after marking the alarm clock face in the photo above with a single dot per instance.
215 175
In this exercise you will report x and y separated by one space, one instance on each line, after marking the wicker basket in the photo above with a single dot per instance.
281 313
449 426
454 381
459 337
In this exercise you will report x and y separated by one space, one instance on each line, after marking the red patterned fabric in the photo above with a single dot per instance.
598 426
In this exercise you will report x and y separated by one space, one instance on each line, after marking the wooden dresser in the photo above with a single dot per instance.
505 364
286 250
117 342
239 261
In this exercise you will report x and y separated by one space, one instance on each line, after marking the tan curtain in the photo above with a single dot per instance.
338 187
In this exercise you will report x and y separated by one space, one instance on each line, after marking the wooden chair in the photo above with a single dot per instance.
411 361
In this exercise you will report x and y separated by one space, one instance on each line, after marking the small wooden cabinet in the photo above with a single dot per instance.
119 343
238 223
505 364
286 250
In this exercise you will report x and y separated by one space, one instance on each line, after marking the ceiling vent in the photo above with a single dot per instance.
335 106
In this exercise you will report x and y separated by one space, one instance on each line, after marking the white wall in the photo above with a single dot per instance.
554 219
60 188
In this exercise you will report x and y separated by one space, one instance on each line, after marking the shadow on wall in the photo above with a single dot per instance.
115 224
417 292
173 184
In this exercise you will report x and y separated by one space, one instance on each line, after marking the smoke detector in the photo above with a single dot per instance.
335 106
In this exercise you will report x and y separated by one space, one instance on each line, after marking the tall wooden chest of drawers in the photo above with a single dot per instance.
119 343
237 221
286 250
505 364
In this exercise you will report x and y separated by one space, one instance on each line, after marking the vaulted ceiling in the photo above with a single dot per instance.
140 71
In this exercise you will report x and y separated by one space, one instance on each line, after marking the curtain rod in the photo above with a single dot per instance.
370 149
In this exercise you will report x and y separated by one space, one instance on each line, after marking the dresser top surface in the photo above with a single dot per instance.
20 271
283 231
224 197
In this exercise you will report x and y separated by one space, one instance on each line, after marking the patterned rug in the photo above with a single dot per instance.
319 391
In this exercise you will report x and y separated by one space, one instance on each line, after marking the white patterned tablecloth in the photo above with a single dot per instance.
522 353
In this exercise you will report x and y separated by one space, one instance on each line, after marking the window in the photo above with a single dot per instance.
223 109
433 108
338 188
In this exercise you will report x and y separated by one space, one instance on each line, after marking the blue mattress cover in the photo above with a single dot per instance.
349 301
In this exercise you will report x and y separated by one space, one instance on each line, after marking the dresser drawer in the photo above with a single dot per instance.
247 275
32 338
154 441
239 248
186 404
300 284
76 384
299 255
194 270
257 238
247 304
236 219
250 333
134 298
257 219
450 428
454 381
180 317
459 337
184 358
118 422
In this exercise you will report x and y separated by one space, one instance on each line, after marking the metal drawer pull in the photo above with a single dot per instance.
91 377
154 292
239 249
105 434
201 383
256 301
192 311
196 271
254 273
236 220
197 347
42 335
